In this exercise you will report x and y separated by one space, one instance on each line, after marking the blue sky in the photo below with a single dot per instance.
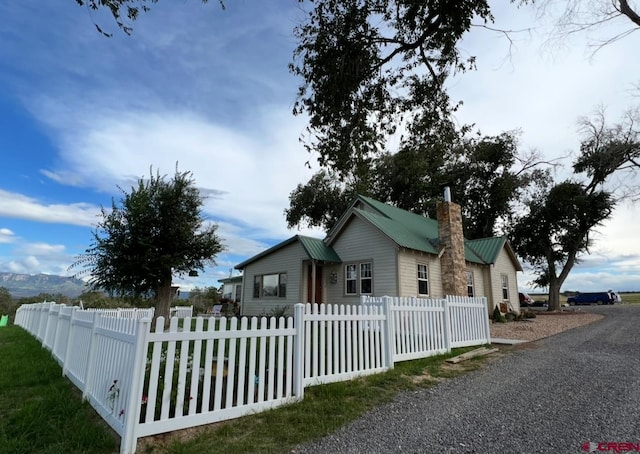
81 114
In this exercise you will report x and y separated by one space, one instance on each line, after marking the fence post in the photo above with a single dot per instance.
487 329
42 321
298 351
48 326
67 352
447 324
133 407
388 331
89 371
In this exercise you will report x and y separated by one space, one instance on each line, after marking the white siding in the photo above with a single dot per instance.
408 261
479 277
288 260
504 265
360 242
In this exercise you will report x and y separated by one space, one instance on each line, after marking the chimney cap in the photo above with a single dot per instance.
447 194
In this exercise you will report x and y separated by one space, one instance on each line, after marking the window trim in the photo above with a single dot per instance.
471 284
424 279
280 287
360 270
504 283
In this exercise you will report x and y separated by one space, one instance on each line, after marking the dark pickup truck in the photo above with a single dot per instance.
591 298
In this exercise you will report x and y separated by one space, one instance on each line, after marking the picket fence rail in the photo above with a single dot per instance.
136 312
144 379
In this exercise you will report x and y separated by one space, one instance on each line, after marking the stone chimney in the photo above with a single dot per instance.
452 263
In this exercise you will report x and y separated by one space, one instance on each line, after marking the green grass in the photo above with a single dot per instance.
630 298
325 408
42 412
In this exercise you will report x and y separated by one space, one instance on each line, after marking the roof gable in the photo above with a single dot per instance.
408 230
417 232
406 235
488 249
315 248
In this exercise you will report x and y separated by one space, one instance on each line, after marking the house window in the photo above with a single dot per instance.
505 287
238 293
423 279
470 290
270 286
358 278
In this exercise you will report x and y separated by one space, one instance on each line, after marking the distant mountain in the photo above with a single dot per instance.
23 285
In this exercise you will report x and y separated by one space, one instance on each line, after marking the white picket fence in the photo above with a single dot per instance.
422 327
344 342
136 312
146 381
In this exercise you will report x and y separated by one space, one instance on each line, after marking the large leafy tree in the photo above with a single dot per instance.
154 232
486 173
609 149
319 202
369 66
557 228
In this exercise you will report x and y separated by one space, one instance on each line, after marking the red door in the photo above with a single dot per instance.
318 283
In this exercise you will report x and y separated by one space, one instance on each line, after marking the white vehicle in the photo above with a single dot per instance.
615 296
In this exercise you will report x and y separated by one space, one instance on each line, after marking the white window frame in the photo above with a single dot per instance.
471 288
358 273
504 280
280 288
423 277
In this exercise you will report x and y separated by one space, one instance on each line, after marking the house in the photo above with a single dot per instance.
232 288
377 249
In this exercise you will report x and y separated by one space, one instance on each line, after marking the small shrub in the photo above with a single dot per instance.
497 316
277 312
529 314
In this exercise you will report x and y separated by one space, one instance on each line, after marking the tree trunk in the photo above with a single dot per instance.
164 295
554 296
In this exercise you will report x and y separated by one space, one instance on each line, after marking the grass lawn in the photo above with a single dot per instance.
42 412
630 298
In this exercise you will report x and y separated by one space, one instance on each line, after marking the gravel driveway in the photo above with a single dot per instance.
550 396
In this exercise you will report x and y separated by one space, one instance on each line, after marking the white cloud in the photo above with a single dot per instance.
18 206
250 172
41 249
211 91
25 265
7 236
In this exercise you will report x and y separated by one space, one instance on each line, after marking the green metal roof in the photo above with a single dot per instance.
489 248
318 250
406 235
414 231
415 223
315 248
406 229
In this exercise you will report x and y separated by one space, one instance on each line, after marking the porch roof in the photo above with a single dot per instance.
318 250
